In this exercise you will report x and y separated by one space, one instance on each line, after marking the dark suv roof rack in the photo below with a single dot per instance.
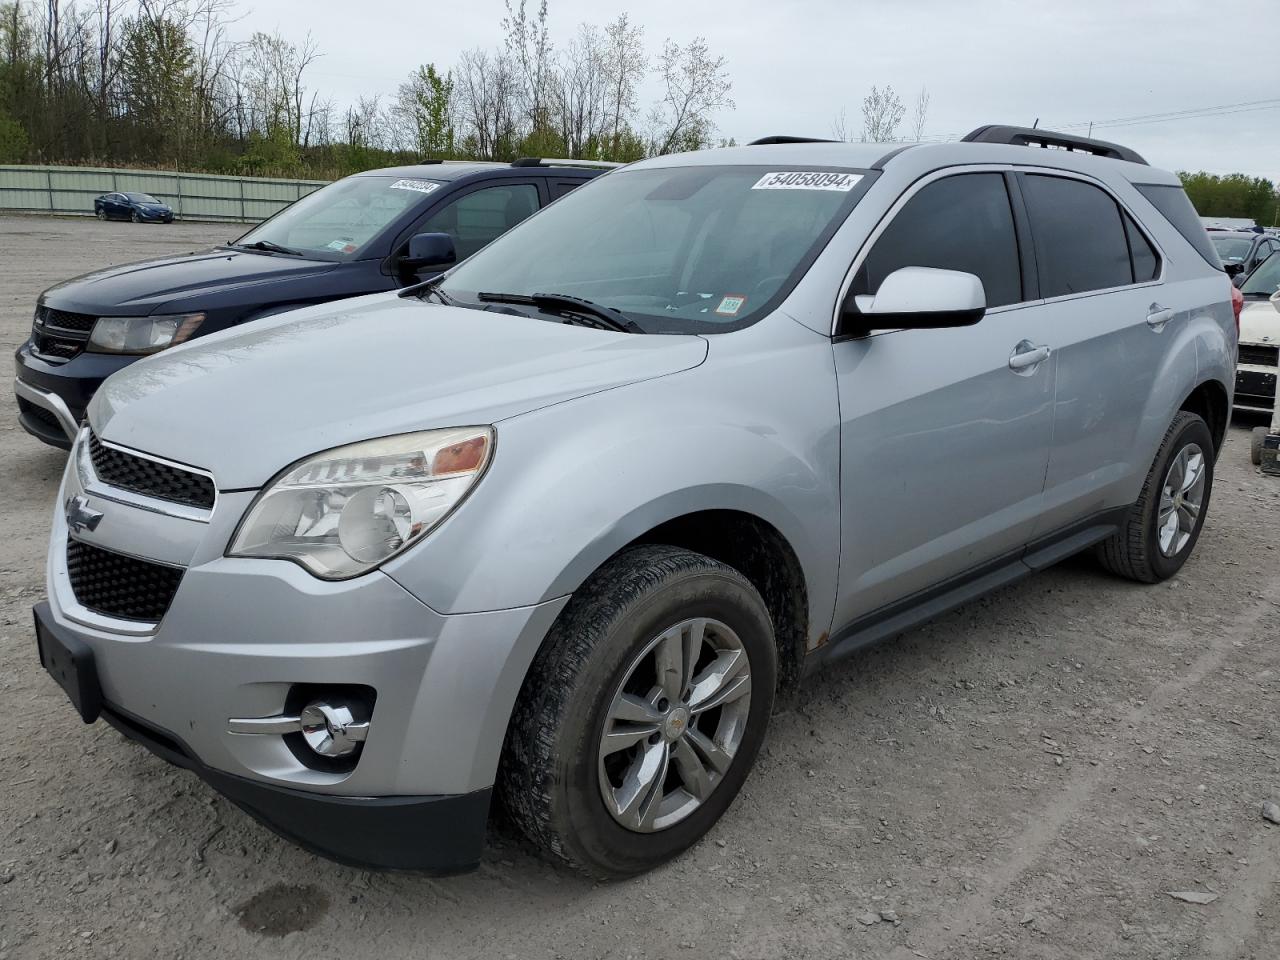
1032 137
563 162
764 141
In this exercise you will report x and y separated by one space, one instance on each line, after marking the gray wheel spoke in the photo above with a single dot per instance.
723 681
635 799
632 709
711 752
622 736
693 773
1181 499
669 656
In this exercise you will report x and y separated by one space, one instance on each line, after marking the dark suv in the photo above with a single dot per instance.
367 233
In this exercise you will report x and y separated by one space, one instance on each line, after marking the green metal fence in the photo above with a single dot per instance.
193 196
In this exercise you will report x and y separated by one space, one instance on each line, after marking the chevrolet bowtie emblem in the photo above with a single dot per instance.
81 516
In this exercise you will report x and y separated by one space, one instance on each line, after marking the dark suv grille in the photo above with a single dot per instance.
149 478
119 586
58 335
1262 355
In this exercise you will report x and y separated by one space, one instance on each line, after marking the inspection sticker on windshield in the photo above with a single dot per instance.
730 305
812 180
418 186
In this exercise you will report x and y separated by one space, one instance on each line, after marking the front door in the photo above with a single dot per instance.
944 444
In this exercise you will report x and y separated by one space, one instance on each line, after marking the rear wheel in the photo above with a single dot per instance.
643 712
1163 526
102 214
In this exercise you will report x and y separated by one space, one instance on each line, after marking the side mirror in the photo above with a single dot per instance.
1233 269
917 298
429 250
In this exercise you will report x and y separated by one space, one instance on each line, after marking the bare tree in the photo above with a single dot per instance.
695 86
840 129
488 94
624 64
920 114
882 111
528 44
581 91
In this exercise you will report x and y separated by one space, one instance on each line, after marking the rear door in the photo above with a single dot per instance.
943 444
1109 321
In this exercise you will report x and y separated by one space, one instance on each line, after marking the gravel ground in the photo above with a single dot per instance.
1030 776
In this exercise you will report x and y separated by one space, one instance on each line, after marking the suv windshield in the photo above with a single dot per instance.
1265 279
678 249
1231 249
337 221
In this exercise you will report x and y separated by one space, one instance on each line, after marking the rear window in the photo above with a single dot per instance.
1175 206
1232 249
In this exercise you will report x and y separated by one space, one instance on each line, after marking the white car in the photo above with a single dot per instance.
1259 339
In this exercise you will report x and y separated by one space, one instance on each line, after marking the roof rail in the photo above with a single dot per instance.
765 141
563 162
1032 137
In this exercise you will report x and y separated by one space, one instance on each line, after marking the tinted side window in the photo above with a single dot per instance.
1080 240
963 222
1174 204
1146 262
480 217
560 187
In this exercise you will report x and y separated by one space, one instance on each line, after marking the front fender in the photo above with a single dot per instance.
753 429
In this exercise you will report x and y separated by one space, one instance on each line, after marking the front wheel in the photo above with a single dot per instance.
643 712
1163 526
136 218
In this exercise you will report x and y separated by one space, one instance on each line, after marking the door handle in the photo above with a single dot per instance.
1158 316
1027 356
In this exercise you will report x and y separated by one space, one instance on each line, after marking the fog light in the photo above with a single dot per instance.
331 729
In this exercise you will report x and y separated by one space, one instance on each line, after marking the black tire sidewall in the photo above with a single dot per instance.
599 840
1193 430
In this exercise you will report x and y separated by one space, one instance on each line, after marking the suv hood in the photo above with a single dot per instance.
1259 322
140 288
247 402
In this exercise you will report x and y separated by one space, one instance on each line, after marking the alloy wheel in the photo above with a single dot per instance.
674 725
1181 499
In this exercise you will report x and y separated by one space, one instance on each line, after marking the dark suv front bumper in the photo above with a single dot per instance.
52 397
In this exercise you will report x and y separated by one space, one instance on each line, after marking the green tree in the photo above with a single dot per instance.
13 140
157 71
425 104
1233 195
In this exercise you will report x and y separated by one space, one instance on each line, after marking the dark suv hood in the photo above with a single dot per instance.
142 288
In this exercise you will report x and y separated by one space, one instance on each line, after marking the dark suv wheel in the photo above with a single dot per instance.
643 712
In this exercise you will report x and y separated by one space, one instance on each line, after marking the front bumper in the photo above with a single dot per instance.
52 397
241 634
1255 387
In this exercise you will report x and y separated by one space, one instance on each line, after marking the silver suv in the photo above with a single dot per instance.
557 526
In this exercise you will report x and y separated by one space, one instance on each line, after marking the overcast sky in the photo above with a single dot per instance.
794 65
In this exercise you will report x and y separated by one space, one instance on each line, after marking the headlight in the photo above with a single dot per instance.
344 511
142 334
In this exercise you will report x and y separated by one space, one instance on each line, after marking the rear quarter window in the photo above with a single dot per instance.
1175 206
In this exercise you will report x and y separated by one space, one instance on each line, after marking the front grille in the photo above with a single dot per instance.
63 320
119 586
59 335
151 479
1266 356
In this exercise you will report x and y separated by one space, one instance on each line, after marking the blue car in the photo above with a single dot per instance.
371 232
138 207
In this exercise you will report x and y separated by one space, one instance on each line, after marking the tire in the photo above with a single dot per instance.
102 214
1136 551
135 217
555 771
1256 439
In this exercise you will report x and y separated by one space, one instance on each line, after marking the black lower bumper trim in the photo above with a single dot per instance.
435 834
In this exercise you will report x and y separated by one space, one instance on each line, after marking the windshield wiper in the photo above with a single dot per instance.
268 246
428 287
573 309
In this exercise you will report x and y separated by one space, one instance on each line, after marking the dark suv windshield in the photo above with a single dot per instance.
679 249
337 221
1265 279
